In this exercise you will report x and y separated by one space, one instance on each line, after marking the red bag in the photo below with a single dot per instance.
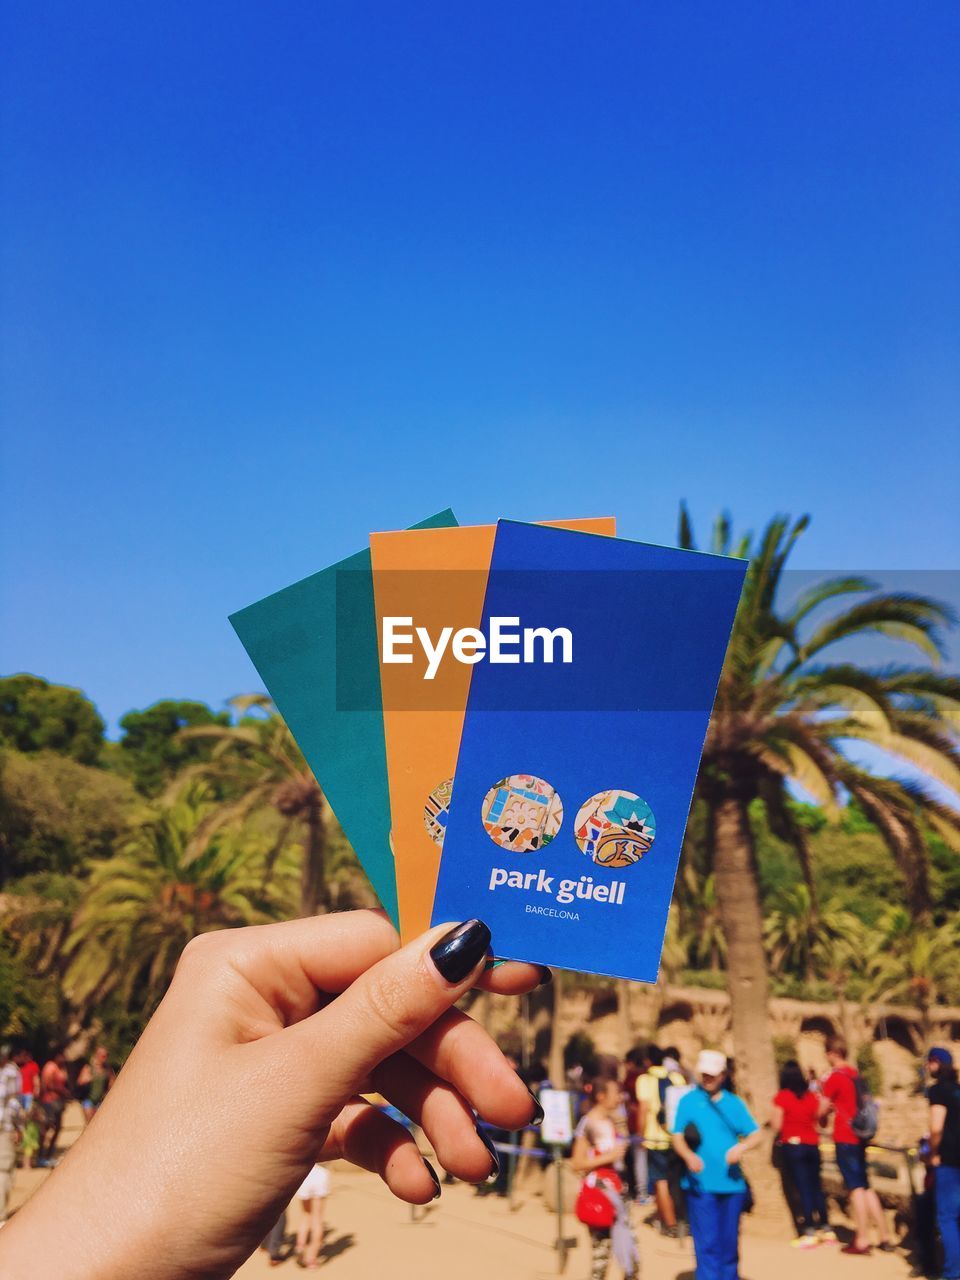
593 1208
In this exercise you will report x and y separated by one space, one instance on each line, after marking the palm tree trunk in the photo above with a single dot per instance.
623 1016
925 1035
738 900
313 881
739 903
555 1056
842 1012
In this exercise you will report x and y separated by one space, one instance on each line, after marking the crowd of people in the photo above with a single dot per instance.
650 1132
654 1133
32 1103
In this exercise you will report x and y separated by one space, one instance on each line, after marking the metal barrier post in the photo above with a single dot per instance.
561 1239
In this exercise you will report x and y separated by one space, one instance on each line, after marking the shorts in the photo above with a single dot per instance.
658 1164
53 1111
852 1163
316 1185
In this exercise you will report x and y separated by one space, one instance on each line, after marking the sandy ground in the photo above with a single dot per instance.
467 1237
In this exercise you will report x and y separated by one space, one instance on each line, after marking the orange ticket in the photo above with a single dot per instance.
429 588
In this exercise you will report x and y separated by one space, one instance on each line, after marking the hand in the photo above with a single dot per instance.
694 1163
735 1154
250 1070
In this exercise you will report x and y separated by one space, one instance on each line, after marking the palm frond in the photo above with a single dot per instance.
245 702
821 592
891 807
685 538
913 619
722 532
785 827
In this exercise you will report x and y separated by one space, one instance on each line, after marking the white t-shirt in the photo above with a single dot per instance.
316 1185
601 1133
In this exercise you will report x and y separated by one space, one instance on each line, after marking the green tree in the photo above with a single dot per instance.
56 814
152 749
38 716
919 967
143 904
37 918
799 933
258 762
29 1005
842 962
784 712
706 939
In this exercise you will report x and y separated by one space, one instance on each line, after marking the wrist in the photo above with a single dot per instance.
100 1237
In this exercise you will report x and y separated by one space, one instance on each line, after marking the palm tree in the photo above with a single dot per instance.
783 714
911 966
841 960
558 994
673 959
706 939
257 763
799 934
142 905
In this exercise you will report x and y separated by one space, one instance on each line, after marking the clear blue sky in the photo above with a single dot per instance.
276 275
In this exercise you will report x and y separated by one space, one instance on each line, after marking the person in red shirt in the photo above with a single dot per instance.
840 1097
794 1121
29 1074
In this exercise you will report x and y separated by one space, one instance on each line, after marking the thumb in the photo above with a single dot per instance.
390 1004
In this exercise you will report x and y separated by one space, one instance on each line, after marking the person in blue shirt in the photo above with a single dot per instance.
712 1130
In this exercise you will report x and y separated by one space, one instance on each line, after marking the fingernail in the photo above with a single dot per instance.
433 1174
494 1154
537 1117
546 975
461 950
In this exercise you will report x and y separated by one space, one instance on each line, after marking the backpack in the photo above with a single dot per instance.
866 1118
664 1085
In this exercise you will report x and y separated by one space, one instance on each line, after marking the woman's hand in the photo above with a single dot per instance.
250 1070
735 1154
694 1163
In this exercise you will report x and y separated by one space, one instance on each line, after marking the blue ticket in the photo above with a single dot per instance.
581 742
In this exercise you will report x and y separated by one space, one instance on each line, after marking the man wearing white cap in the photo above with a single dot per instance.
711 1132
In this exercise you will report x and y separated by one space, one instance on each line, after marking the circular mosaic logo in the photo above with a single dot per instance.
615 828
521 813
437 810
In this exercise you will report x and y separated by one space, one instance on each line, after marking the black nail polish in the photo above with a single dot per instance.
433 1174
537 1117
461 950
494 1154
546 975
